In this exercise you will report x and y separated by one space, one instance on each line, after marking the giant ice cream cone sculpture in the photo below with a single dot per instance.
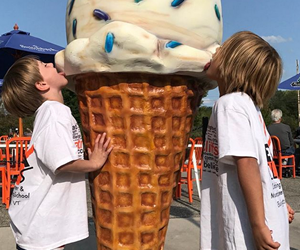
142 91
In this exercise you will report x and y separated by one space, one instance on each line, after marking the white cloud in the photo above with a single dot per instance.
208 102
276 39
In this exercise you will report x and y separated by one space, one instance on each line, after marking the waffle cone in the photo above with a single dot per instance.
149 118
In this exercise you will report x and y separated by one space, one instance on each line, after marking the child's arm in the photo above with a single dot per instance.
97 158
250 181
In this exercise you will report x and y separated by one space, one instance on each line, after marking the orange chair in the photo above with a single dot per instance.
198 152
2 176
188 168
278 157
15 163
3 139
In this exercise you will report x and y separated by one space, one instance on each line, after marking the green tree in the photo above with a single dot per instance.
70 99
201 112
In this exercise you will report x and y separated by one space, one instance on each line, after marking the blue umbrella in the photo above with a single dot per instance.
16 44
292 83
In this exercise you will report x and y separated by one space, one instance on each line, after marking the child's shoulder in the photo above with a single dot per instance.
52 110
235 101
48 114
233 98
52 106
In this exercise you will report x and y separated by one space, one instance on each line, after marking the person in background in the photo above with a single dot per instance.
48 208
284 134
16 133
297 150
10 133
242 204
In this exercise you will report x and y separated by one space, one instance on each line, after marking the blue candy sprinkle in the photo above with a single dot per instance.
101 15
74 28
71 6
109 43
137 1
176 3
173 44
217 12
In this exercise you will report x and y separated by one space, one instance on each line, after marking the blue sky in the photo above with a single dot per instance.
278 21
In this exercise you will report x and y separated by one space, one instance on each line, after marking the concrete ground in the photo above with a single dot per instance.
183 230
183 233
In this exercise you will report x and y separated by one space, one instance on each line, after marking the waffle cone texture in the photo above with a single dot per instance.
149 118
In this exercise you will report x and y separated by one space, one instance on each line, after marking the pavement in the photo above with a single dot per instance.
183 229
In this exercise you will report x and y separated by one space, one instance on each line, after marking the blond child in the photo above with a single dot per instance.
48 208
242 205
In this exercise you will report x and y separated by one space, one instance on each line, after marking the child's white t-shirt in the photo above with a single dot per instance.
236 128
49 209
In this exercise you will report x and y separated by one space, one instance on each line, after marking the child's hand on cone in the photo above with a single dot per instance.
101 151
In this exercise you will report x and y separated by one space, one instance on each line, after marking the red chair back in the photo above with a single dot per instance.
16 148
188 167
3 139
278 157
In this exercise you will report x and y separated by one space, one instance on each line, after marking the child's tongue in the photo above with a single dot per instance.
206 66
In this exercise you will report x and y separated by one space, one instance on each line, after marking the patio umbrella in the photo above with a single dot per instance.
16 44
292 83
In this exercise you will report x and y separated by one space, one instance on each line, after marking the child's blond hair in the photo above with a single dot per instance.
19 94
249 64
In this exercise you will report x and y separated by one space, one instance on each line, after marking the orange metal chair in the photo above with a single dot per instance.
198 153
278 157
188 168
2 176
3 140
15 163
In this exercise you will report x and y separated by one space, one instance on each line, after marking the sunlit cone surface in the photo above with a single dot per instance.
149 118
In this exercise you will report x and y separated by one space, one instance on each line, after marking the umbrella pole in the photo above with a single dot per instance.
297 70
298 108
20 127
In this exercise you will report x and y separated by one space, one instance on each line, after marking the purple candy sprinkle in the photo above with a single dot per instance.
101 15
71 6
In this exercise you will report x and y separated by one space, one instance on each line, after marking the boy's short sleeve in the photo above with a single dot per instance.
55 146
235 136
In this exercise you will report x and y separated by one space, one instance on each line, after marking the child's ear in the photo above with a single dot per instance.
42 86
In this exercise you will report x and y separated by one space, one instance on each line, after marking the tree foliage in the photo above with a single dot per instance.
9 123
70 99
201 112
